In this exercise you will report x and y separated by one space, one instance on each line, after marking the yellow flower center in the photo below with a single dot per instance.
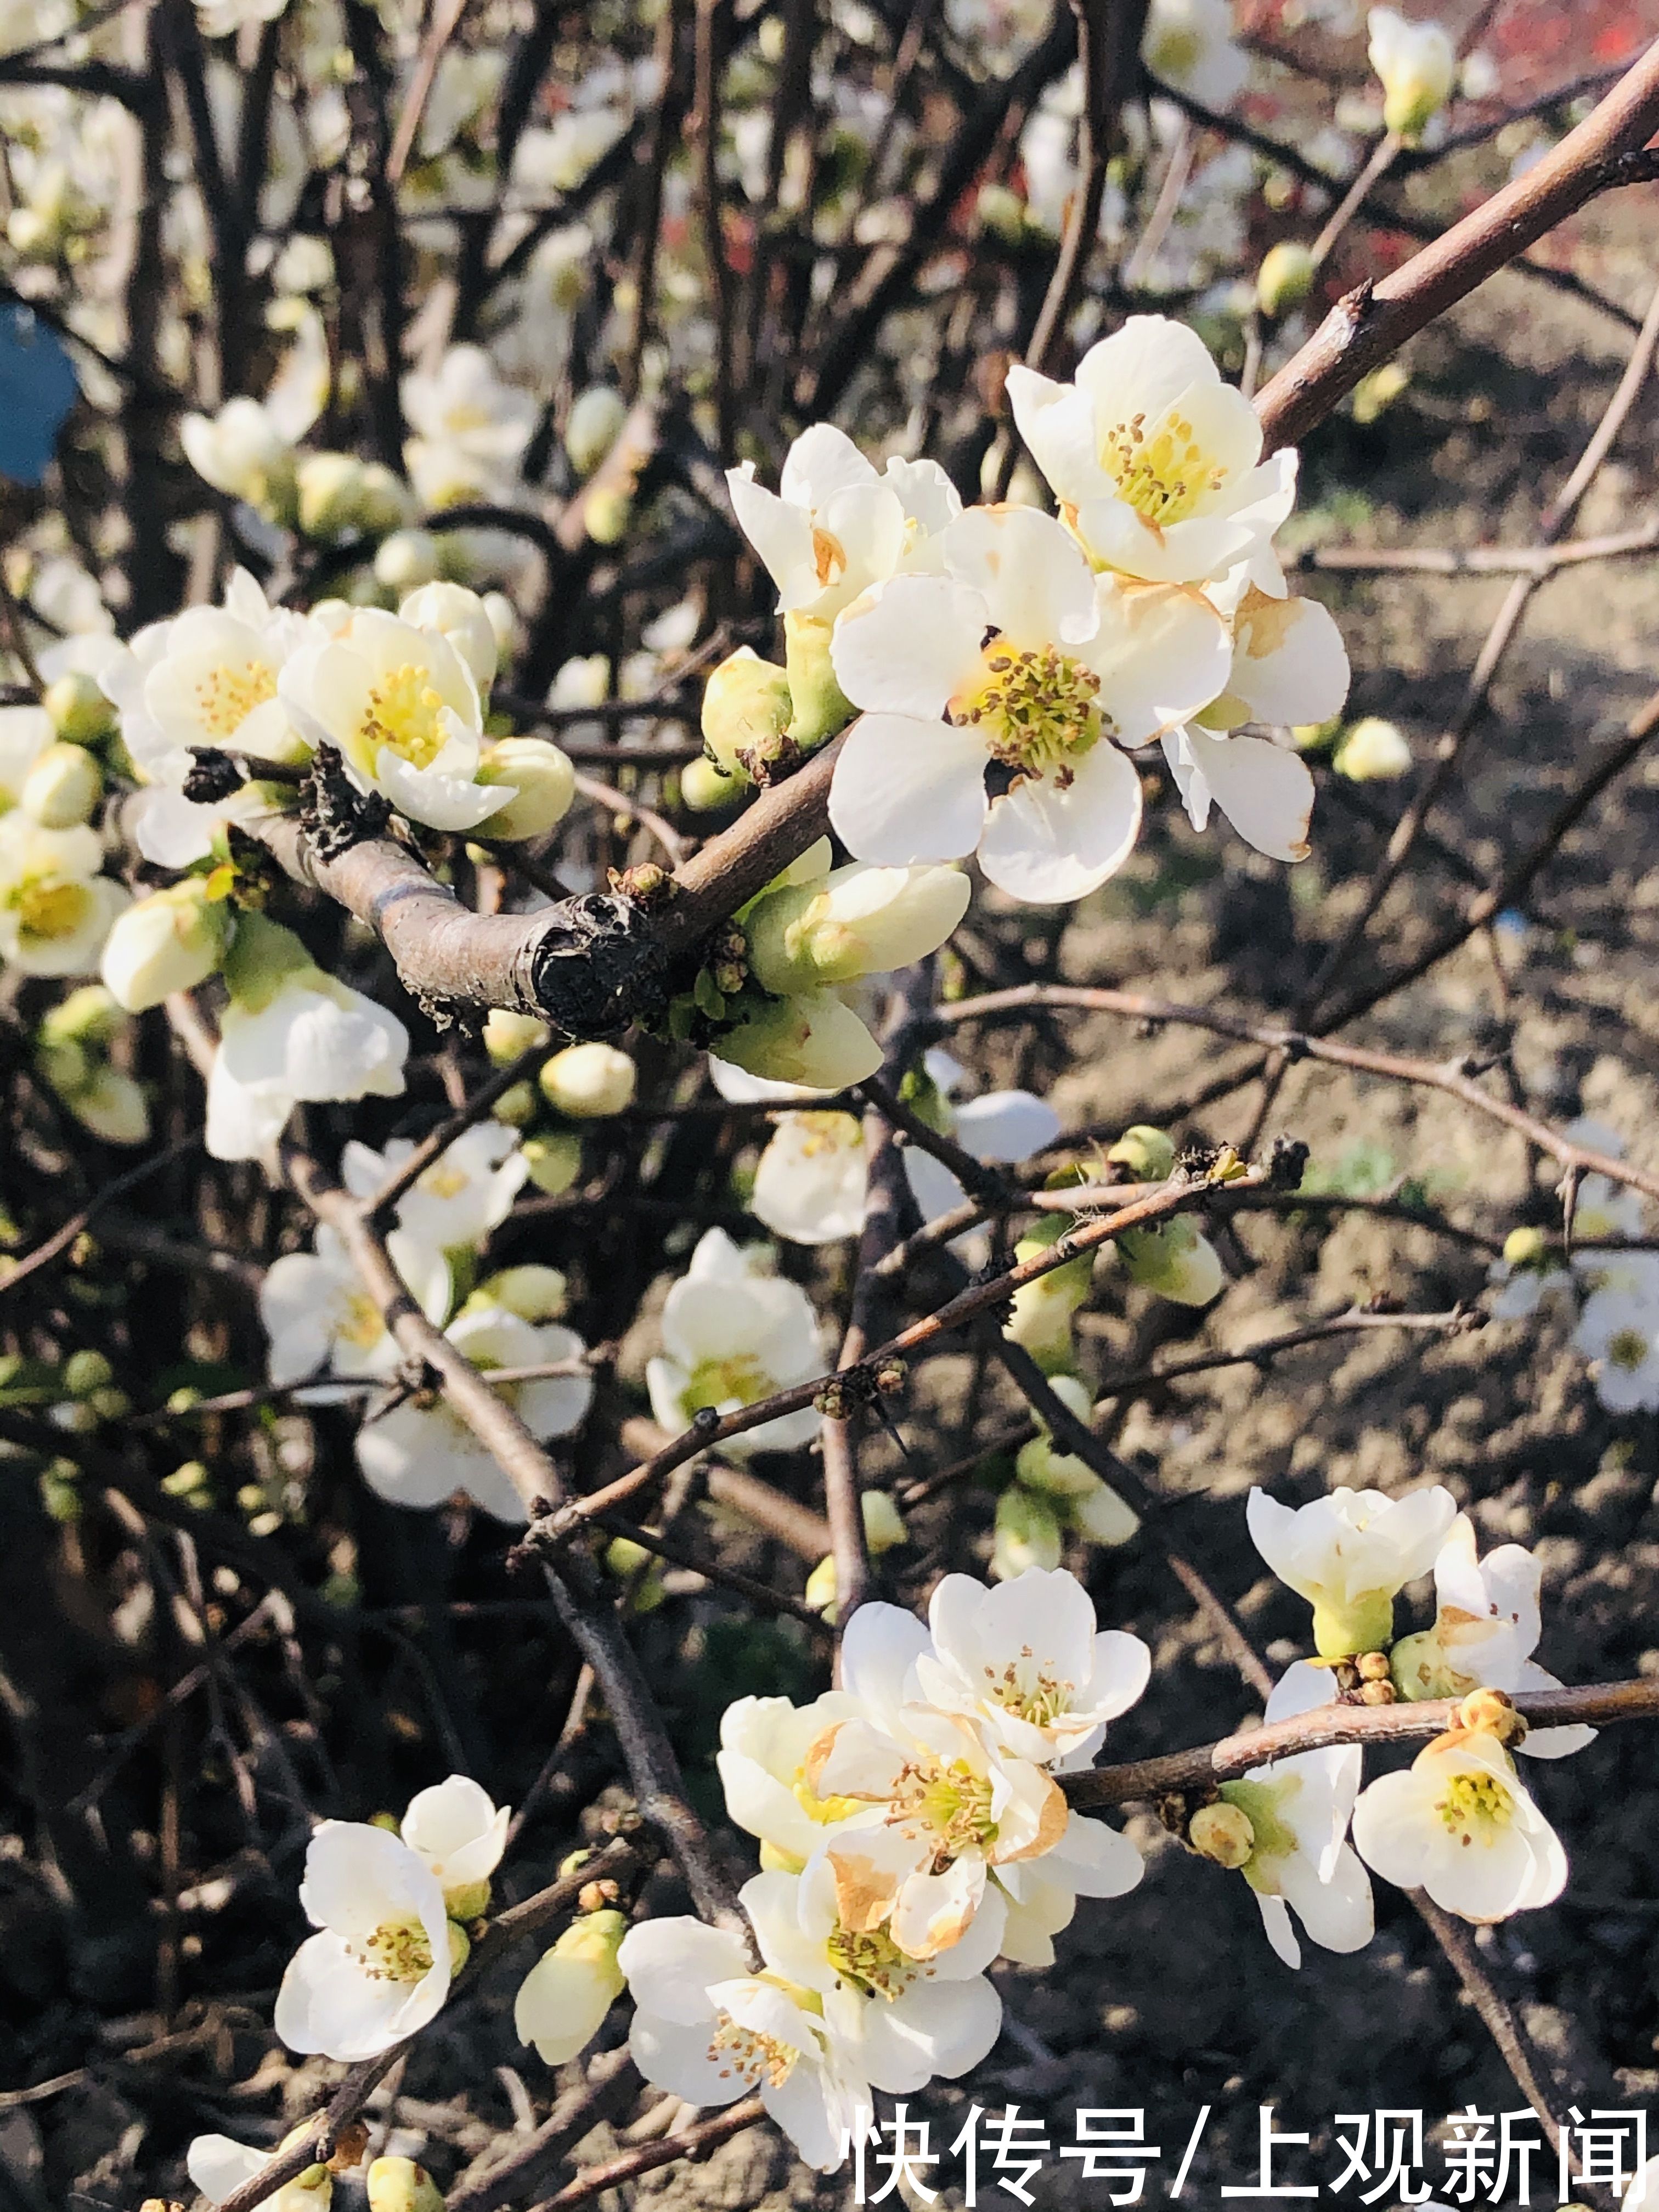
47 907
398 1951
717 1382
1475 1808
873 1962
443 1180
947 1803
1174 51
828 1132
1038 711
226 697
1164 473
750 2054
405 715
359 1321
1031 1693
1628 1349
823 1810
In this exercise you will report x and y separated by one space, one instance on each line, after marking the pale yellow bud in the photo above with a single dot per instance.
170 941
1373 751
883 1524
1028 1535
564 1998
543 784
78 709
821 706
516 1106
408 559
704 787
331 494
823 1589
535 1293
606 512
1101 1514
555 1161
813 1039
1222 1832
589 1082
1146 1152
860 921
1177 1262
507 1035
397 2185
1285 277
62 787
745 708
596 415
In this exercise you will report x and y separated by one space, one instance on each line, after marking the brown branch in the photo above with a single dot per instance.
1373 322
1598 1706
696 2142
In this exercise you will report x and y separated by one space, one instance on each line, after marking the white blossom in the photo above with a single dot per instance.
810 1183
835 526
1026 1664
733 1333
1618 1331
1156 459
1349 1554
219 2165
1458 1823
1293 1840
1188 44
322 1322
456 1830
1487 1625
290 1033
403 707
380 1966
56 909
996 696
466 1192
419 1454
708 2028
903 2022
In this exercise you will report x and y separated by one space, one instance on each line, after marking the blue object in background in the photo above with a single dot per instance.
37 390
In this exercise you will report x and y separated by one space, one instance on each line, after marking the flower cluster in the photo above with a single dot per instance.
912 1832
1459 1822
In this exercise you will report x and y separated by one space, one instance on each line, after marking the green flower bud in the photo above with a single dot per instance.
62 787
821 706
534 1293
596 415
1285 277
589 1082
78 710
555 1161
1177 1262
1028 1535
408 559
1146 1152
1526 1247
746 706
705 788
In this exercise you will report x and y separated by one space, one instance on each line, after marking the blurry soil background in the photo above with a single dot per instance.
141 1941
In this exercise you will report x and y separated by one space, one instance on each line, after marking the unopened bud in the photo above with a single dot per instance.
883 1524
564 1998
397 2185
462 617
821 706
589 1082
606 512
1222 1832
85 1372
704 787
1526 1247
1373 751
535 1293
1028 1535
823 1589
1146 1152
555 1161
596 415
1417 64
543 784
516 1106
862 919
1489 1712
1177 1262
745 705
594 1896
508 1035
63 786
385 502
813 1039
1102 1516
408 559
1285 277
331 494
78 710
170 941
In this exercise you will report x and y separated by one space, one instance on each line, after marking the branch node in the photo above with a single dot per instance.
334 815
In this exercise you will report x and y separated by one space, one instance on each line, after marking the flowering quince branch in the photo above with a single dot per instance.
1596 1705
